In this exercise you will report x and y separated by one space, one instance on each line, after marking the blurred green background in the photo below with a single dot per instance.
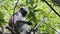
38 11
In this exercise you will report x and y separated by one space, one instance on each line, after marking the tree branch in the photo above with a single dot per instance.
15 6
51 8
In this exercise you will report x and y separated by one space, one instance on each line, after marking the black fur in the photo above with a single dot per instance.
23 11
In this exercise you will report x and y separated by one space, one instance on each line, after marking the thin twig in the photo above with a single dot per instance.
15 6
52 28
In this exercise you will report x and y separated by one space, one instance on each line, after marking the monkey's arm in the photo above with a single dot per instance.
20 21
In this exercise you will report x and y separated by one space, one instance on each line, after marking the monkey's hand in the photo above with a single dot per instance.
29 23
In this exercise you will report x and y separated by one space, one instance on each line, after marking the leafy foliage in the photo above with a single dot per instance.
1 19
37 11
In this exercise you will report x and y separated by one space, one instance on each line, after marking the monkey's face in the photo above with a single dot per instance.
23 11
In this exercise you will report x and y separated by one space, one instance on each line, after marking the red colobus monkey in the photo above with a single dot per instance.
20 24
